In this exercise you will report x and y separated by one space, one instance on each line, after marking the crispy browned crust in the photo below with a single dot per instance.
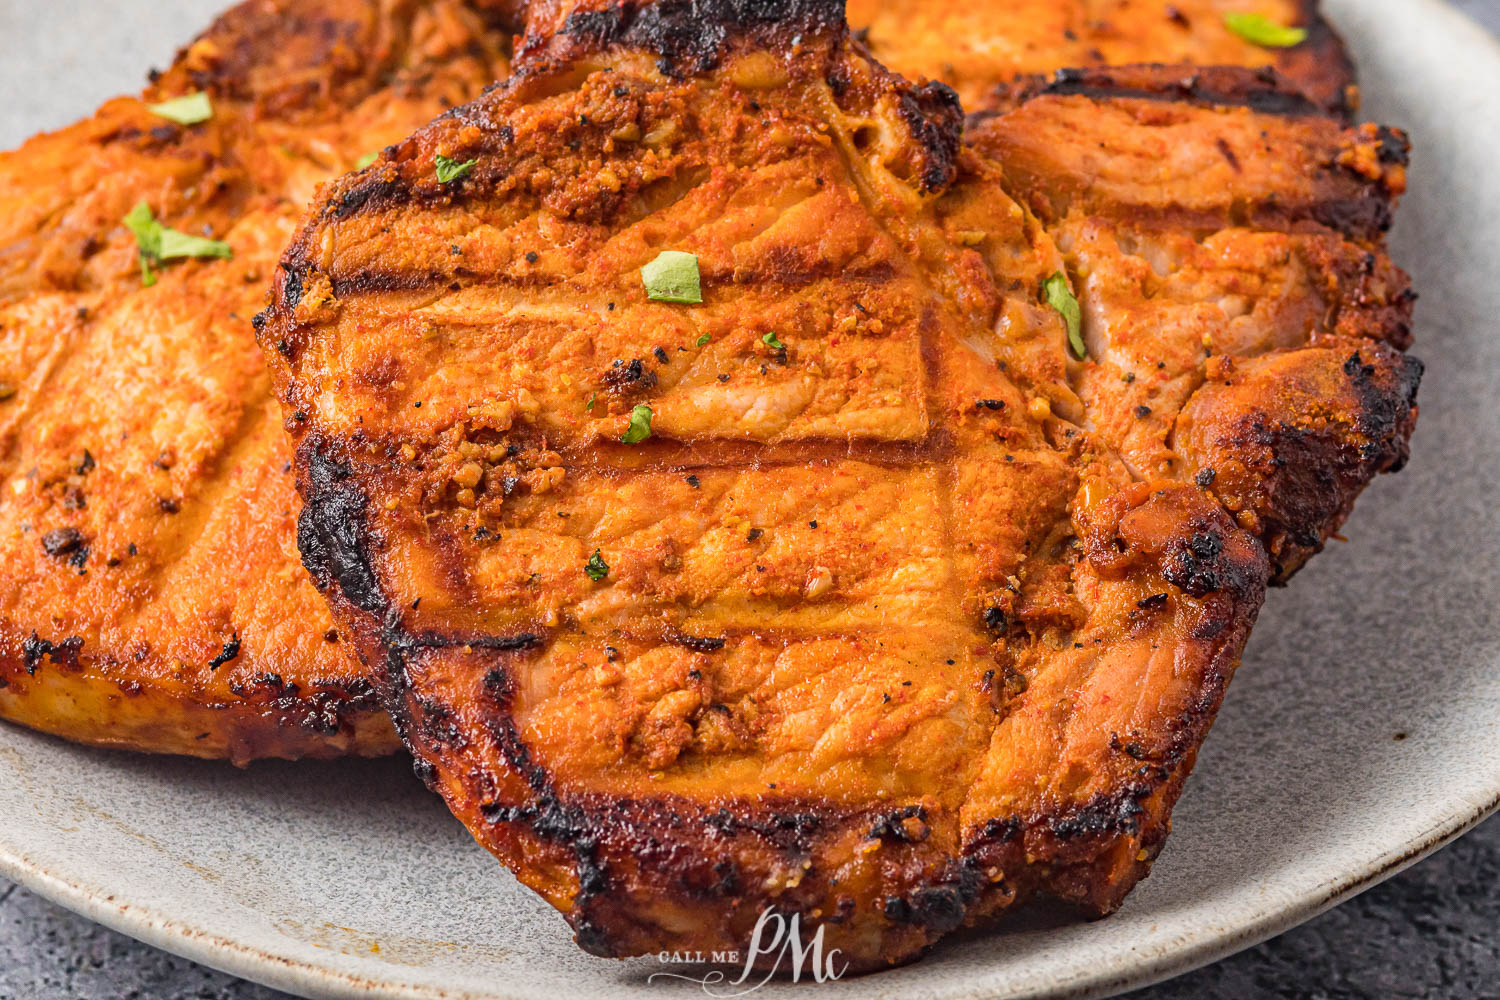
989 51
1294 437
150 593
1288 210
443 351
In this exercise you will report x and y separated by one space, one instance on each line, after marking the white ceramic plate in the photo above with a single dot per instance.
1362 731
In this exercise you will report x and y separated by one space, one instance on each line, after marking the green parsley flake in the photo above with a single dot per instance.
596 567
640 426
1257 29
771 341
366 160
156 243
1059 297
673 277
705 339
449 171
191 109
590 404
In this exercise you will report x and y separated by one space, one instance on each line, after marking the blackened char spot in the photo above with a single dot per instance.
697 643
939 909
1385 405
36 649
1195 564
1107 815
230 651
1230 87
498 685
291 288
936 121
376 189
893 824
897 910
425 772
498 643
693 35
1001 831
61 541
626 380
331 530
1395 147
1354 217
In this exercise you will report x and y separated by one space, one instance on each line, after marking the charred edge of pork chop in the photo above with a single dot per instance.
637 875
151 597
1293 438
1326 400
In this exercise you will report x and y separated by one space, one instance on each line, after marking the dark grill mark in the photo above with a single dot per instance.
697 643
35 649
230 652
62 541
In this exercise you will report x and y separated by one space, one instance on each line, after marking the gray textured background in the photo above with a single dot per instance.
1433 931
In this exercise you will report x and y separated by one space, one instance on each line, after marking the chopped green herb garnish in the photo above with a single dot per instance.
156 243
640 426
1257 29
1060 297
449 171
188 110
673 277
771 341
366 160
596 567
705 339
590 404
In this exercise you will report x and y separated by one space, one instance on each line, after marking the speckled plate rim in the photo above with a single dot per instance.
1478 48
306 979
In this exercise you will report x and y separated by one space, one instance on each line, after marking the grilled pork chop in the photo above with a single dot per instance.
982 48
848 591
150 595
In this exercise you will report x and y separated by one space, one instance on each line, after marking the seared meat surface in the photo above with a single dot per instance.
982 48
150 591
1244 323
849 591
